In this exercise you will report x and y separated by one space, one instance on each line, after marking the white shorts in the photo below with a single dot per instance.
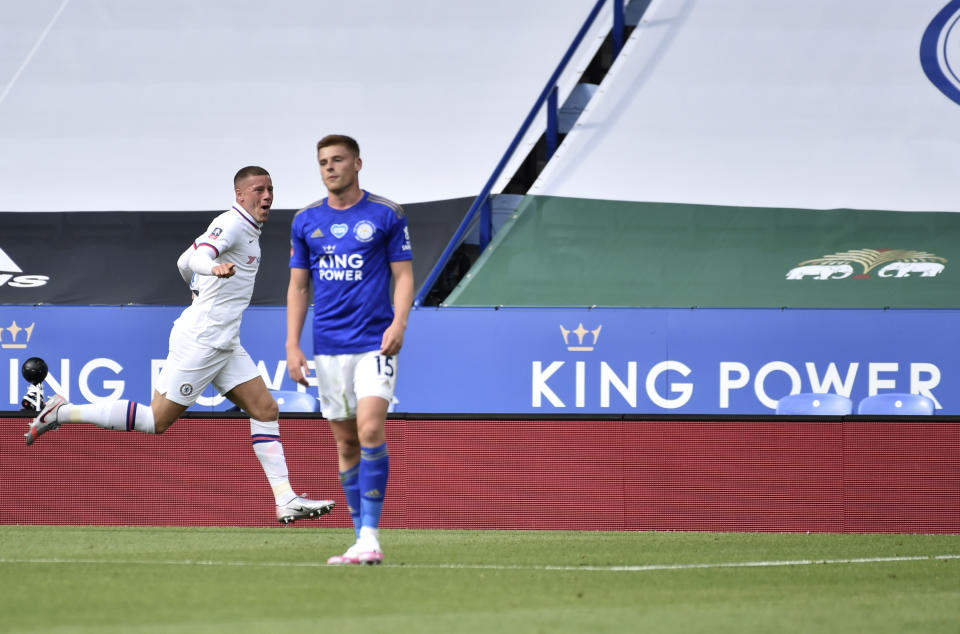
190 368
342 379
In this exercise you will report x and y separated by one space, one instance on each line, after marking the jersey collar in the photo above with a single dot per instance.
246 216
326 201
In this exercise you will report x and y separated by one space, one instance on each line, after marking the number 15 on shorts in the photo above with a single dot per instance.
385 365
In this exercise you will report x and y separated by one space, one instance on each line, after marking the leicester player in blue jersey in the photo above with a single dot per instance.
350 246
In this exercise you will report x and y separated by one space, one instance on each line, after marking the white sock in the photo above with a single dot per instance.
122 415
265 436
369 538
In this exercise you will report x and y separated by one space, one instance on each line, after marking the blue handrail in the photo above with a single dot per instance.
618 27
482 200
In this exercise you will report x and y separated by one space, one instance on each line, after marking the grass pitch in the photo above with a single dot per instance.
98 579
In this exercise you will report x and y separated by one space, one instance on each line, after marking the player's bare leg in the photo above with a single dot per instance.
348 442
255 399
165 412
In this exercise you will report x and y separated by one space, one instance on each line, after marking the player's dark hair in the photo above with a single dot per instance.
249 170
339 139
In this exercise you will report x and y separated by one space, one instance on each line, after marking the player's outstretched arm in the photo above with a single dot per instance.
202 263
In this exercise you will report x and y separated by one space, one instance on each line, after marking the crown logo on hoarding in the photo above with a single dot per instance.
580 332
15 331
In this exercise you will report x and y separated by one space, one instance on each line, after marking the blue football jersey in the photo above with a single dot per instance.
348 253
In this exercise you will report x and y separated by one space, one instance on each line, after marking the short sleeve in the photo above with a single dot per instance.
219 236
299 251
398 240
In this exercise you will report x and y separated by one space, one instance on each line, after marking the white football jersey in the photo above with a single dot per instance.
213 319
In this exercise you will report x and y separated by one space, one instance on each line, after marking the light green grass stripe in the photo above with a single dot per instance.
643 568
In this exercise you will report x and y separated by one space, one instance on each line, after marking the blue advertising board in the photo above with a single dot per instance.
535 360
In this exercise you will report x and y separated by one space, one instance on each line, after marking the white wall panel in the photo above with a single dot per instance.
132 105
819 104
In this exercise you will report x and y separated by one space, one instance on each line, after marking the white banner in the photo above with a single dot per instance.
112 105
769 103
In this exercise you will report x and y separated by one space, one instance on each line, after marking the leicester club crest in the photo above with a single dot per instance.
364 231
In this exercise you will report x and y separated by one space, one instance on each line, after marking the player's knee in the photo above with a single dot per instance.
370 433
348 448
263 410
161 425
269 411
370 438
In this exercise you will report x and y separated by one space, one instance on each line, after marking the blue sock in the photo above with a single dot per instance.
374 470
350 479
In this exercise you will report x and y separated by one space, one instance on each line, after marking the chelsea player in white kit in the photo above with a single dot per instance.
349 245
220 267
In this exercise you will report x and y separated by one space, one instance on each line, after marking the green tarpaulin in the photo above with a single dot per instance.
577 252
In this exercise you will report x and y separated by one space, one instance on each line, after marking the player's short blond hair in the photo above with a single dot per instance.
249 170
339 139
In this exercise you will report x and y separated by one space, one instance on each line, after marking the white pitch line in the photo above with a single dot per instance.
33 51
644 568
729 564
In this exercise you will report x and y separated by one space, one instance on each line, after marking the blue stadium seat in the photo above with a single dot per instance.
808 403
896 403
293 401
